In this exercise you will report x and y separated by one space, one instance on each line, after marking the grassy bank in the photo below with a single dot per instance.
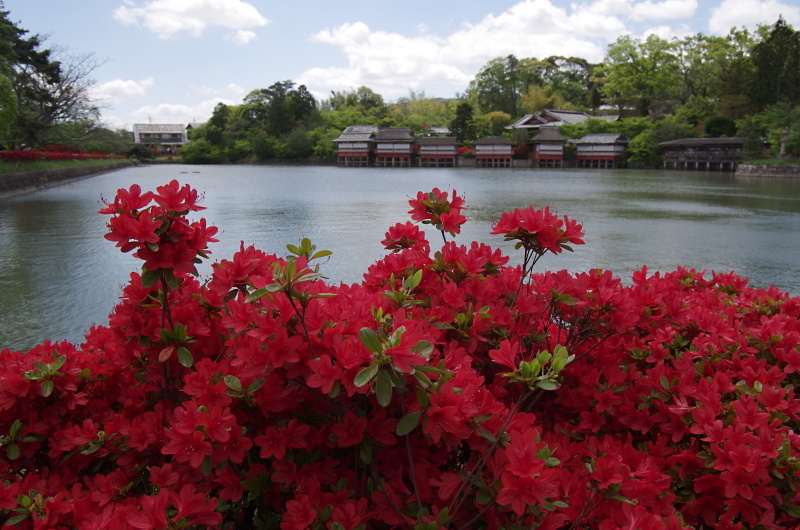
11 167
788 161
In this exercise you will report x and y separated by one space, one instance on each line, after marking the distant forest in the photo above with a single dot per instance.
744 84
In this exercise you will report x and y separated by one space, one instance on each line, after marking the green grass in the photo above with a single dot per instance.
788 161
11 167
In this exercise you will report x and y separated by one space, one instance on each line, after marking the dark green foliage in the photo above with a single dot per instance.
777 66
720 126
463 125
141 152
201 152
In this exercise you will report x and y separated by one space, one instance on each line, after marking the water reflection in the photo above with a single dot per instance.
58 275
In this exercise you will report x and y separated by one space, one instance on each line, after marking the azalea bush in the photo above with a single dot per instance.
448 389
20 155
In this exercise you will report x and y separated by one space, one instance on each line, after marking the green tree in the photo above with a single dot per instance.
777 66
8 107
463 124
720 126
493 123
500 85
639 73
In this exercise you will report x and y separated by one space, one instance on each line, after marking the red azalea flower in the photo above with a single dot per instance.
195 507
436 209
175 198
405 236
351 431
153 512
192 448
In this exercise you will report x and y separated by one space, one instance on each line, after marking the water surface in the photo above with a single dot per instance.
58 276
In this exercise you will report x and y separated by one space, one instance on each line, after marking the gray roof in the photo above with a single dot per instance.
439 130
355 133
394 134
555 118
690 142
140 128
494 140
438 140
549 134
604 138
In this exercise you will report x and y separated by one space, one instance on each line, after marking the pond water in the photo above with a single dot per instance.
58 276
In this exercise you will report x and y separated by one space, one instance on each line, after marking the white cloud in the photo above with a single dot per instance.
391 63
167 18
750 14
667 9
243 36
231 89
119 89
177 113
669 32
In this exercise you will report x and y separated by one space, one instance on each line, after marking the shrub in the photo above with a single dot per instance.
447 389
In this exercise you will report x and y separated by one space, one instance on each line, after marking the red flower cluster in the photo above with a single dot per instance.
436 393
160 234
437 209
539 230
19 155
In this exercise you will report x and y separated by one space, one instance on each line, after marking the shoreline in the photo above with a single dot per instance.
767 171
14 184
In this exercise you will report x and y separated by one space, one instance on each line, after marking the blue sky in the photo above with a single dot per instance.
172 61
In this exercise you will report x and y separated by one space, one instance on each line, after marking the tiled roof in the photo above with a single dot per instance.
703 141
556 118
549 134
355 133
158 128
439 130
604 138
494 140
394 134
438 140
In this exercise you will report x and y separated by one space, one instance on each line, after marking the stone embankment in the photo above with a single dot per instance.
28 181
747 170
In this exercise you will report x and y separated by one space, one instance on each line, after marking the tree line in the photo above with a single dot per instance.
743 84
746 83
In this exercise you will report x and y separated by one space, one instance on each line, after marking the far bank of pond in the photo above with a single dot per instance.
58 275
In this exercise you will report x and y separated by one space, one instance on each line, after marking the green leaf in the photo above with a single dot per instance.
206 466
293 249
547 384
413 281
383 388
423 348
321 254
233 383
47 387
365 376
17 519
423 379
16 427
444 516
255 385
185 357
408 423
12 451
179 332
150 278
370 340
486 434
365 454
170 279
255 295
